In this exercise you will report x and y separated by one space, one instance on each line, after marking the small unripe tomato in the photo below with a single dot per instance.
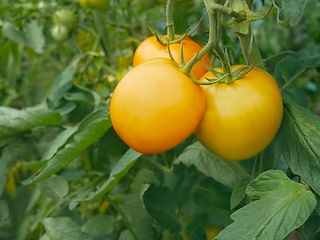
59 33
151 48
100 5
42 7
155 107
241 118
64 17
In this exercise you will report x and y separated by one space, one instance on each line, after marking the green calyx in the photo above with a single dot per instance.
227 77
175 39
241 15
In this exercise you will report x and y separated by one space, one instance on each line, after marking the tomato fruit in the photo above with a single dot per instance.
241 118
146 4
155 107
64 17
100 5
59 33
150 48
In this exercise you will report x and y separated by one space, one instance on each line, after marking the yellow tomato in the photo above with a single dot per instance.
155 107
150 48
241 118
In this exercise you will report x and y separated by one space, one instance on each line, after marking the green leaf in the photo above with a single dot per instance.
13 121
79 197
4 211
4 159
63 228
277 57
59 142
143 176
13 33
292 66
158 201
34 165
117 173
209 164
35 36
45 237
83 138
195 228
282 206
289 12
83 94
55 187
299 142
62 84
239 192
99 225
139 221
211 199
296 95
126 235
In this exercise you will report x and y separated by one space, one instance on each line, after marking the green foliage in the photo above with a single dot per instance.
66 174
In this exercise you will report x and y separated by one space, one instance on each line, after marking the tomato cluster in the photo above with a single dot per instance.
156 106
63 21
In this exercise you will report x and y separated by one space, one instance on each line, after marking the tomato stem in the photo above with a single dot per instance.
227 11
169 22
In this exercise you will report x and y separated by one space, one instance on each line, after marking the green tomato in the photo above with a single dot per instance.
59 33
42 7
100 5
146 4
64 17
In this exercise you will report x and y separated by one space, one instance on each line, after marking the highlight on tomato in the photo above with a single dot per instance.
155 107
241 118
151 48
59 33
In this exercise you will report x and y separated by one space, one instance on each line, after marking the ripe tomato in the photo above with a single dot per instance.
59 33
155 107
150 48
100 5
64 17
241 118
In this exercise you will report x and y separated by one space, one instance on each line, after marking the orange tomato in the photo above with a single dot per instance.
150 48
241 118
155 107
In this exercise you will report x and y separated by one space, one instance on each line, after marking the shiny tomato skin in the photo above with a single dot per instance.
241 118
64 17
150 48
59 33
155 107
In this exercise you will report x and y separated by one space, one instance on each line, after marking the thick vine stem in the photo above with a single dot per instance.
169 22
227 11
212 42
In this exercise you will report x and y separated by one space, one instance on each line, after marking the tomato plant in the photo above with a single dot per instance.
94 146
59 33
241 118
101 5
155 107
151 48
